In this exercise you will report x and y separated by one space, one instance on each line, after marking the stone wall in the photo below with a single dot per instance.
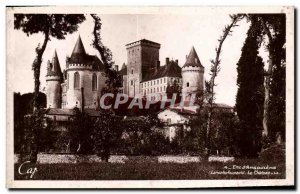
73 159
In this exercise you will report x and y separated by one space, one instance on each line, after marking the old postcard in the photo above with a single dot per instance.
150 97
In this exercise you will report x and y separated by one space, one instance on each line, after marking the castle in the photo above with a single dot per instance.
80 84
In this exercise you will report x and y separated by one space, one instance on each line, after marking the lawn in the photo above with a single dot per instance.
131 170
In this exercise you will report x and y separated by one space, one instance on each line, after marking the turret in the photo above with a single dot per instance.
192 74
54 79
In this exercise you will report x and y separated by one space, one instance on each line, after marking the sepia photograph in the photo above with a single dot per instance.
149 97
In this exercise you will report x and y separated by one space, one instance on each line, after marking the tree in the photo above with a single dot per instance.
250 95
174 88
274 105
50 25
105 130
215 68
273 27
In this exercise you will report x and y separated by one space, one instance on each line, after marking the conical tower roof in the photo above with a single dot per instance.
123 66
79 48
193 59
54 69
55 63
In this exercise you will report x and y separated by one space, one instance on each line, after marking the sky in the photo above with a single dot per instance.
177 34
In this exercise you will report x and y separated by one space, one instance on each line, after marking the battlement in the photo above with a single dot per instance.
143 42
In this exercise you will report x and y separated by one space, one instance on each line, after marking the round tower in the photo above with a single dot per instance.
54 80
192 74
84 78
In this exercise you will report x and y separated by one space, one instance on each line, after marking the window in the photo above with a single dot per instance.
131 82
153 89
67 81
165 80
94 82
187 84
169 121
131 71
164 88
76 80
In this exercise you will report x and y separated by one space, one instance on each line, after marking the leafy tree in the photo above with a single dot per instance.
140 137
23 106
79 133
104 136
250 95
275 81
106 133
173 88
50 25
273 28
36 134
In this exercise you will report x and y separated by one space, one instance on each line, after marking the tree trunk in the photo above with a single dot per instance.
265 131
36 67
215 70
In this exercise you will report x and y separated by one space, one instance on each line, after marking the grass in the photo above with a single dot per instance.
149 171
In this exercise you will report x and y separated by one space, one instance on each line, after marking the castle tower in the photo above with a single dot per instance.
192 74
54 79
84 79
142 57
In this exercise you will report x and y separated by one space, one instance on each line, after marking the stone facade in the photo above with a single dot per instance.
144 76
142 56
192 74
79 85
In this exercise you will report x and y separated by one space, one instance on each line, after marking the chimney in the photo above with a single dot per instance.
176 61
82 99
157 64
116 67
167 60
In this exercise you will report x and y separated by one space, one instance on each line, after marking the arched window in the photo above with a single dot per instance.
187 84
94 82
76 80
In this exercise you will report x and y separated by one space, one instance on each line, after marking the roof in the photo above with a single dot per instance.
193 59
71 112
220 106
169 70
54 69
79 48
80 56
123 71
149 42
59 111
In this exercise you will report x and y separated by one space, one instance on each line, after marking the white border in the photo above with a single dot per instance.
154 183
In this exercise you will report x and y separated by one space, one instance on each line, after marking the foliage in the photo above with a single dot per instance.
141 136
50 25
174 88
276 122
79 133
23 106
250 95
106 133
36 134
113 78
